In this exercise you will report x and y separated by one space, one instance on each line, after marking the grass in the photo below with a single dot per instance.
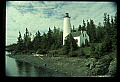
87 49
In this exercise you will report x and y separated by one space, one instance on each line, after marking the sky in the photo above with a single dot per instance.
40 15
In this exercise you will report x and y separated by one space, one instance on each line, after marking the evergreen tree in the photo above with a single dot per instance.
99 33
27 40
49 37
114 31
70 43
44 41
79 28
105 23
92 31
108 44
84 25
58 38
37 41
20 45
88 27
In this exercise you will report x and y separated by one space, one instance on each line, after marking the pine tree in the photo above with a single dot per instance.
92 31
57 38
70 43
37 41
114 38
88 27
44 41
20 46
84 25
27 40
49 38
79 28
109 38
99 33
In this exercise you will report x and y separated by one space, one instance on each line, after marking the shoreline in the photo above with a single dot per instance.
67 66
70 67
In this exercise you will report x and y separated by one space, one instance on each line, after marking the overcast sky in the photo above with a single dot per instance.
40 15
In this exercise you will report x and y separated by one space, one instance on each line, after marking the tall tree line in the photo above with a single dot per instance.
48 41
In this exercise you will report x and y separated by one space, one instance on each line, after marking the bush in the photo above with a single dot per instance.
101 67
52 53
112 68
76 53
42 51
82 53
61 51
73 54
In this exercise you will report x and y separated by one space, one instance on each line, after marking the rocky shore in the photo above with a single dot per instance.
70 66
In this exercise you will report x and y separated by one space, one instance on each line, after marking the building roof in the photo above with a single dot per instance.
67 15
75 34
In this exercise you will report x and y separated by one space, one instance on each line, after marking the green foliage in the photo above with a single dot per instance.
61 51
49 38
11 47
103 65
99 33
91 30
57 38
79 28
20 44
87 43
42 51
37 41
70 44
72 54
82 53
112 68
76 53
92 50
84 26
44 41
27 40
106 45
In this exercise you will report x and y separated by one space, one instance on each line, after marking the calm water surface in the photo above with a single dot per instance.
16 68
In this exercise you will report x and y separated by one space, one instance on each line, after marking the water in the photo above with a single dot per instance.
15 68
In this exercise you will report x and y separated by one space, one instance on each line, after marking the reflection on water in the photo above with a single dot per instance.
26 69
11 67
18 68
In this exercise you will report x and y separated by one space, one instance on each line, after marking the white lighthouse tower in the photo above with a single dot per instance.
66 26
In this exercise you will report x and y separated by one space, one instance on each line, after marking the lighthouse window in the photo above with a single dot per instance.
83 35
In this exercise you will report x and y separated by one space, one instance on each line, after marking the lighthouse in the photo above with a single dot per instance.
66 27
